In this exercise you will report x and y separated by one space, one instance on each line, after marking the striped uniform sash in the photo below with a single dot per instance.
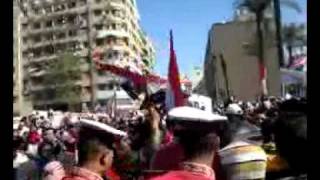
242 160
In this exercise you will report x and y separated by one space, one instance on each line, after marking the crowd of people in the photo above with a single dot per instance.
265 139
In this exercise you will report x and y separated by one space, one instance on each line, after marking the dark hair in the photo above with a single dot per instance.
197 143
19 144
290 132
92 143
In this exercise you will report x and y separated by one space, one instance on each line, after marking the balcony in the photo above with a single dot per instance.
44 58
61 41
104 94
103 79
76 10
117 33
54 28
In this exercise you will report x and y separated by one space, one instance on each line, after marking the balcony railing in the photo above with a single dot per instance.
76 10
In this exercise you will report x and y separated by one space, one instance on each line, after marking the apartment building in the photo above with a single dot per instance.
79 26
21 102
233 42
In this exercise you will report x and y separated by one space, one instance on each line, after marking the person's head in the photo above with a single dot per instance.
96 146
19 144
33 128
96 150
49 135
15 133
290 131
198 144
48 151
234 112
197 130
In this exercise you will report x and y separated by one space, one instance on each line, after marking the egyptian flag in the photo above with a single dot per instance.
174 95
263 78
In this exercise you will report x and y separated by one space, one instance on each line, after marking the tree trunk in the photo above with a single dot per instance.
290 55
277 16
259 18
93 97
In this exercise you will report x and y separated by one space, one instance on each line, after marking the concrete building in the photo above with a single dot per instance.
234 42
55 26
21 102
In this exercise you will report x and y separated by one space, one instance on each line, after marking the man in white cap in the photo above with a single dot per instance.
197 135
242 158
95 151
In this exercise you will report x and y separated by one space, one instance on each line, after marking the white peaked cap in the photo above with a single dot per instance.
234 109
103 127
186 113
267 104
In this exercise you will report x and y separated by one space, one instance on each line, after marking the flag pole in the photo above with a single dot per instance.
224 68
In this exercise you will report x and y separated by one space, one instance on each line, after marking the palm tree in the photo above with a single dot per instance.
277 14
292 35
258 8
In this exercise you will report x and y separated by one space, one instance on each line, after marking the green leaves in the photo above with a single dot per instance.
64 77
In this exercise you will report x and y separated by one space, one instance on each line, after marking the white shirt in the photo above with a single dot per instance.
20 159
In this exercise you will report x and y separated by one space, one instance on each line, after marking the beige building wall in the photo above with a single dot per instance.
231 40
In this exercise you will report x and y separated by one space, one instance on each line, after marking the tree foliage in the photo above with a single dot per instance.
258 7
64 79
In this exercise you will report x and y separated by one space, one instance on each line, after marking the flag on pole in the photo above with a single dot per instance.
263 78
174 95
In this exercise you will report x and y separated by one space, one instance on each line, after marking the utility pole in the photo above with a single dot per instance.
19 64
92 66
277 16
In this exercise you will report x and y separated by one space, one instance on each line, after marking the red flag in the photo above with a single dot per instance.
174 96
262 71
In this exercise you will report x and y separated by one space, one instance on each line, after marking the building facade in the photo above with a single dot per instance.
21 101
233 43
53 27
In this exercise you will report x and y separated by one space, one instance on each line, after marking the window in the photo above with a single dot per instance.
36 26
49 24
102 87
60 20
126 41
124 26
97 12
48 9
61 35
72 5
98 26
99 42
49 49
72 33
37 39
116 54
110 86
49 37
98 1
24 26
36 11
85 44
25 40
71 19
113 26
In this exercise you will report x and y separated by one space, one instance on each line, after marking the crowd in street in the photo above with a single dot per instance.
266 139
